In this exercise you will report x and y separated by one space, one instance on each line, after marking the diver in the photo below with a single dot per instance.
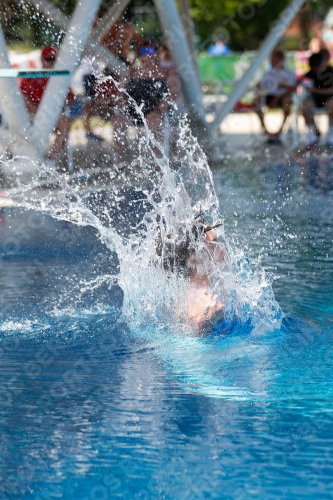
194 254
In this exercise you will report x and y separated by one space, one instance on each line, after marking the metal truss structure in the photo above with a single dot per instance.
80 38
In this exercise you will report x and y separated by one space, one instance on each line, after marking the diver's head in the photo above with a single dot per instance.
177 248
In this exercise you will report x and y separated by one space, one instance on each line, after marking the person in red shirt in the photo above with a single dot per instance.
33 90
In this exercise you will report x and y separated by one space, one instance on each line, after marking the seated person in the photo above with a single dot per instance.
146 89
278 84
33 90
194 254
319 95
103 102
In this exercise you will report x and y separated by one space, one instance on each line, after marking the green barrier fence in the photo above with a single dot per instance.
228 69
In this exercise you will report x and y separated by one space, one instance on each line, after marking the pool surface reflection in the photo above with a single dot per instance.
90 409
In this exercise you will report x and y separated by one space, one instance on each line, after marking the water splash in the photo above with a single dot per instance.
169 195
159 197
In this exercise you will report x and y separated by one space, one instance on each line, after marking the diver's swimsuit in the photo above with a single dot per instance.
147 93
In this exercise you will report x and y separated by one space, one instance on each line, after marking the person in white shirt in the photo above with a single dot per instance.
278 84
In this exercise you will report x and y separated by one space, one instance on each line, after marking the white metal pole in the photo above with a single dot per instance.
189 31
70 54
92 47
13 107
296 114
173 28
112 15
267 46
95 49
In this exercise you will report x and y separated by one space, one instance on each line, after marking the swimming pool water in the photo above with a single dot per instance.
90 409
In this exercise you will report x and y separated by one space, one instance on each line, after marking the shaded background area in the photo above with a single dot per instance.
244 24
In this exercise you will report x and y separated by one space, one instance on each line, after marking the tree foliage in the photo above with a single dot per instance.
246 23
243 23
25 25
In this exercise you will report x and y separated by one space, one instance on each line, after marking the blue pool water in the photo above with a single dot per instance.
92 408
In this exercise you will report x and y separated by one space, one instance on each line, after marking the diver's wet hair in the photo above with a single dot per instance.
176 248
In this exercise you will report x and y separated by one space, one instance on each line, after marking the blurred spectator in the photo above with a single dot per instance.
145 99
89 69
104 98
317 43
220 48
326 56
278 84
319 95
328 38
174 83
119 39
33 90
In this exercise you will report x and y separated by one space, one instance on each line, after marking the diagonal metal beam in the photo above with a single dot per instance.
182 57
112 15
187 21
69 56
92 47
13 107
266 48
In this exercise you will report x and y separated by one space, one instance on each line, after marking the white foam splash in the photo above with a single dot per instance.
176 195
